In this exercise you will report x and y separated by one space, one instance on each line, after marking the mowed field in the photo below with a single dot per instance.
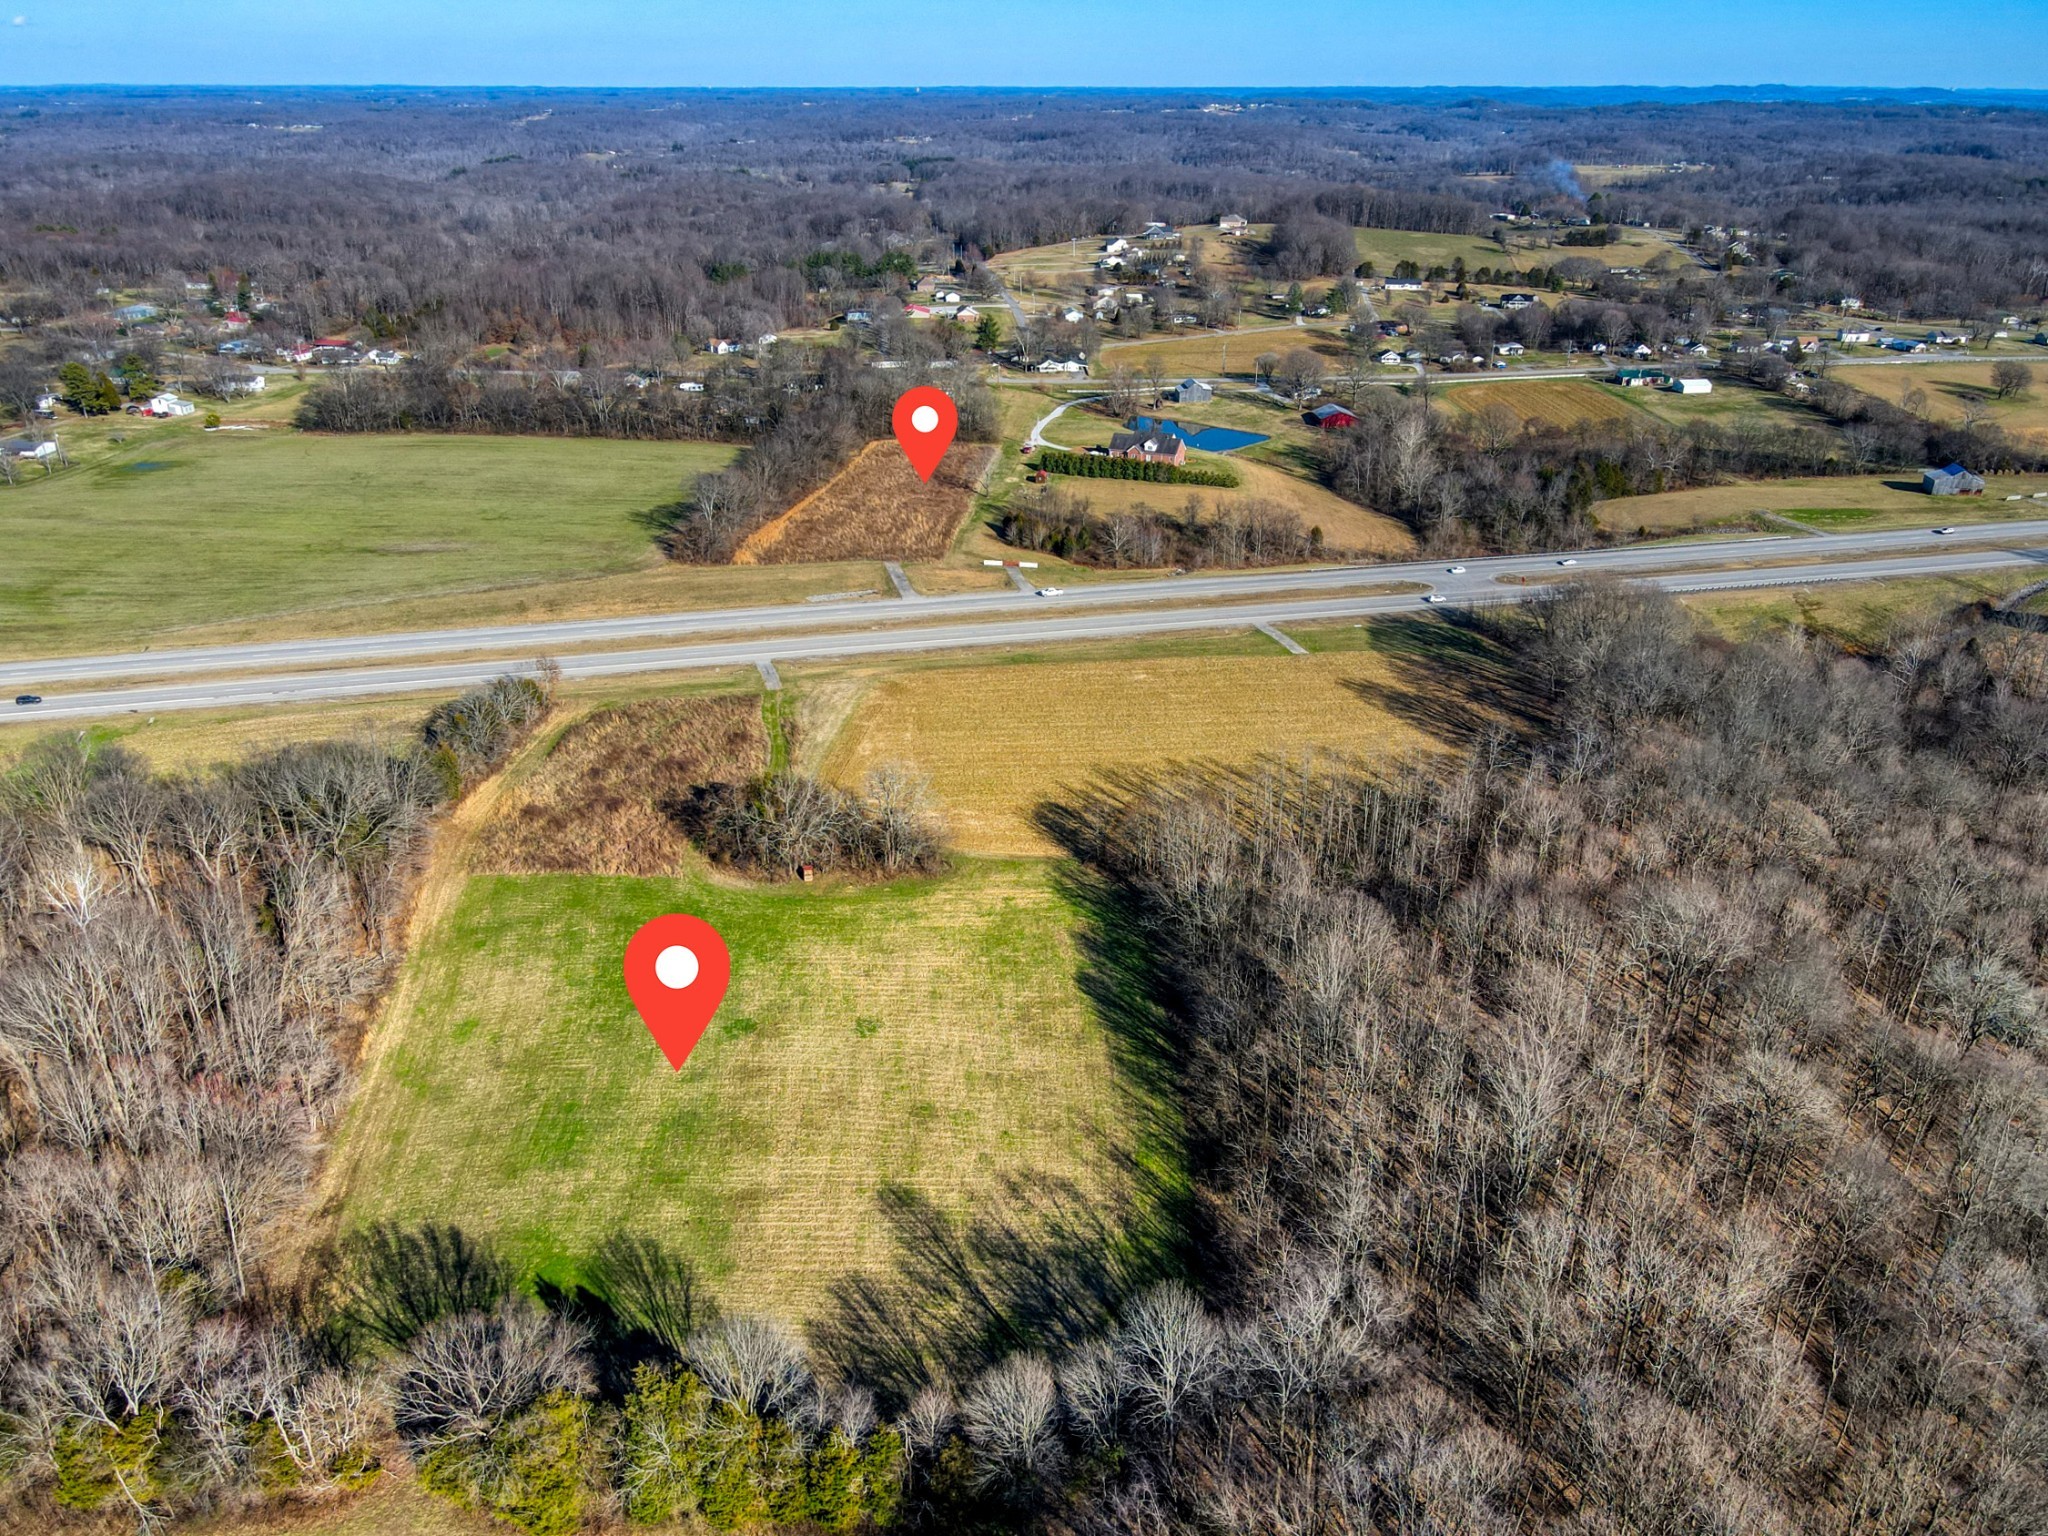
876 508
183 528
1950 387
928 1036
1548 402
998 741
1862 501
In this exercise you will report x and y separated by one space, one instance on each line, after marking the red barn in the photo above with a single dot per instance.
1330 417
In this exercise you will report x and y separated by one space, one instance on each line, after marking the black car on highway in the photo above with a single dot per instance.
28 698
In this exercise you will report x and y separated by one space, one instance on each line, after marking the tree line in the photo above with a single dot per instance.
183 965
1636 1128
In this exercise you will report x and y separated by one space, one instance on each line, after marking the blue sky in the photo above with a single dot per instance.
1249 43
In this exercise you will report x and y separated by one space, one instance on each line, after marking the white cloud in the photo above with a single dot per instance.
21 21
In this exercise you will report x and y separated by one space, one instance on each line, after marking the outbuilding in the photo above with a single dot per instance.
1192 392
1692 386
1329 418
1952 480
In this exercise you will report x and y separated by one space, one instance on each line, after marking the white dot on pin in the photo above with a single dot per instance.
924 418
676 967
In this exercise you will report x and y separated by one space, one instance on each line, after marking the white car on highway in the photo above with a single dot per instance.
1950 529
1456 570
1050 591
1436 597
1569 560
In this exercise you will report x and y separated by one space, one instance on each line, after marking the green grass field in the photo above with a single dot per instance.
928 1037
177 528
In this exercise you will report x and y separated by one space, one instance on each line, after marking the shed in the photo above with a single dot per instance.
1192 392
1953 480
1692 386
1331 417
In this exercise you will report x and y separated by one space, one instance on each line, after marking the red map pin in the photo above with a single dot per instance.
677 969
925 420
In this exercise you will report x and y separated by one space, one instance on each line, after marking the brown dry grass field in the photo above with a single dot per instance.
1346 526
996 741
876 509
186 741
1859 615
1550 402
1885 500
1950 387
394 1505
594 798
1214 354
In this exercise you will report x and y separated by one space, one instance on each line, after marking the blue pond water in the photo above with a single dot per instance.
1208 439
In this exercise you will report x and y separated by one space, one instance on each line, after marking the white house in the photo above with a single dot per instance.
1856 335
27 448
947 296
1510 349
1389 358
383 357
1116 247
46 405
1233 224
720 347
1063 365
691 386
766 339
1848 301
168 404
1692 386
1403 285
1071 315
254 384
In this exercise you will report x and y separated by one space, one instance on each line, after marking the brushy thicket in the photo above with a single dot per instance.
1235 534
777 823
1100 466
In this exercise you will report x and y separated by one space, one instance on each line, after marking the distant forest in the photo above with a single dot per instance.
614 227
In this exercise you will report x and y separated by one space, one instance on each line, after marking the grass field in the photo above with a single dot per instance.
1550 402
1859 615
1950 387
875 508
998 740
927 1036
179 528
1346 526
394 1505
1866 501
1384 248
1216 353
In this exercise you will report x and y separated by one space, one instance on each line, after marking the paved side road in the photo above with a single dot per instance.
555 637
1058 622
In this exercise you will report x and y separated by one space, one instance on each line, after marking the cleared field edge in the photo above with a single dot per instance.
1135 1164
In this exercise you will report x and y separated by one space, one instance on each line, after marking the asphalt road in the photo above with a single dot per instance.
556 636
1097 611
